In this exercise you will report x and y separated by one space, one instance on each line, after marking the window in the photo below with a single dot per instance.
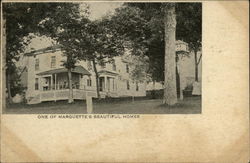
103 64
128 86
36 84
101 83
137 86
114 66
89 82
127 68
37 64
53 61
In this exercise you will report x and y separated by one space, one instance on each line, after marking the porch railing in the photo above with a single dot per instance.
80 94
59 87
54 95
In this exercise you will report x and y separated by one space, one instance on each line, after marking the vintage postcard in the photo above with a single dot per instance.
125 81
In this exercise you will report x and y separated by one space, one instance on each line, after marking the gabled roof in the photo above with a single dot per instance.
44 50
105 72
77 69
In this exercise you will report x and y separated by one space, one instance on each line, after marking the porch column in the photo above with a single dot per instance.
40 87
55 81
39 83
105 83
111 84
51 82
79 81
115 82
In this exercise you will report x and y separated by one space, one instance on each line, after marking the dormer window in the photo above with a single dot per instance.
37 64
53 61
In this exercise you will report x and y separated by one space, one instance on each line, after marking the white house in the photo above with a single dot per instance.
47 79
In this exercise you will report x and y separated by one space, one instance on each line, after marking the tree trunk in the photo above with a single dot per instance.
4 65
196 66
9 88
177 81
70 100
153 91
97 80
170 93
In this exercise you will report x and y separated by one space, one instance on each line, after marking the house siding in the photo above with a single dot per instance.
119 87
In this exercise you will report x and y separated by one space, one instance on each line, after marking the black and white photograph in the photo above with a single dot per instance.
102 58
124 81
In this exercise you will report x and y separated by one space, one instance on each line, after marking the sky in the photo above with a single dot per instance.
97 10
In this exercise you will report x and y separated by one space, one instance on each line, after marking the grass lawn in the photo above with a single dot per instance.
190 105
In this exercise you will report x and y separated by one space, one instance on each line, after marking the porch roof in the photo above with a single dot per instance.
77 69
105 72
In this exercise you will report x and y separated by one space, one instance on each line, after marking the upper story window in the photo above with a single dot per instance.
137 86
36 84
53 61
128 85
114 66
89 82
127 68
103 64
37 64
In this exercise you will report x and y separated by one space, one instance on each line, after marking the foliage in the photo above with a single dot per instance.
142 24
95 41
189 24
98 41
80 38
139 68
22 19
15 82
62 24
48 19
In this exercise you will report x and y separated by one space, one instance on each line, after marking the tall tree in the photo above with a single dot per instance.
154 34
139 68
98 43
170 94
18 26
50 19
189 29
144 24
62 25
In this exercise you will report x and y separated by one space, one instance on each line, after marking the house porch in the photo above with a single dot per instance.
53 85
